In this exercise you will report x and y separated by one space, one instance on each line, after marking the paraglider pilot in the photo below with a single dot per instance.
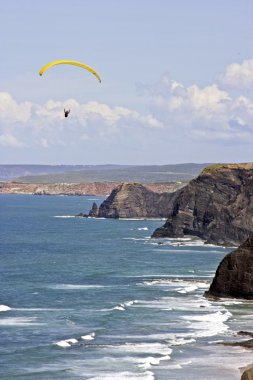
66 112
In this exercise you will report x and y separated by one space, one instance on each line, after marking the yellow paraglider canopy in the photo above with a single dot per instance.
68 62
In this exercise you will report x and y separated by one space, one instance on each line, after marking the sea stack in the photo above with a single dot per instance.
134 200
234 275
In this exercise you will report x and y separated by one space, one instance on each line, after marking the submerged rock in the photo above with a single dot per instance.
82 215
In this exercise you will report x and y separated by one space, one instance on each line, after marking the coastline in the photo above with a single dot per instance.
86 188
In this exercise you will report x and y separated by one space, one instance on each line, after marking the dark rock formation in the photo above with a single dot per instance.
234 275
82 215
248 373
94 210
133 200
217 206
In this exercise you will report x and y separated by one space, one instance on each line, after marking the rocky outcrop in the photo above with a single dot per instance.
94 210
130 200
234 275
248 373
217 206
88 188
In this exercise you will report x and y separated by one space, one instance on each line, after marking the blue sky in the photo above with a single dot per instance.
177 79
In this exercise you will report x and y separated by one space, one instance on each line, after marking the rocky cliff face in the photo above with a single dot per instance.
217 206
130 200
234 276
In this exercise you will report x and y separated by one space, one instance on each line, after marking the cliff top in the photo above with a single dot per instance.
213 168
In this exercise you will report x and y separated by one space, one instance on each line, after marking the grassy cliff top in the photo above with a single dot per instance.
217 167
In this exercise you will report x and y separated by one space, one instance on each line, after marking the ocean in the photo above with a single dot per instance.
99 299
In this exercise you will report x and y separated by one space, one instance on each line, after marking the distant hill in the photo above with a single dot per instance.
102 173
10 172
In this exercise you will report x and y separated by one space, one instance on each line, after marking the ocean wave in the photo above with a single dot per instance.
66 343
88 336
4 308
122 306
75 286
119 307
179 285
136 239
151 361
194 303
20 321
208 324
188 242
161 349
125 375
64 216
171 339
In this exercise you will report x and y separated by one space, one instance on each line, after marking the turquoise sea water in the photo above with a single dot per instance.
98 299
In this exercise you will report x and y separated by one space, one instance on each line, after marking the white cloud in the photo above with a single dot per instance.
44 142
207 113
176 113
238 76
11 111
45 125
9 140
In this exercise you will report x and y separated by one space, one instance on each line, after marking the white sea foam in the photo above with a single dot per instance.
161 349
187 289
194 303
4 308
74 286
66 343
122 306
143 229
20 321
88 336
64 216
181 286
151 361
40 309
62 343
125 375
208 324
119 307
130 303
136 239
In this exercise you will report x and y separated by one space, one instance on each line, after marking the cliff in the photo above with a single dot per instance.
88 188
234 275
217 206
133 200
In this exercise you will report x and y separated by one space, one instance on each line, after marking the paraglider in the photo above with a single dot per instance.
69 62
66 112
